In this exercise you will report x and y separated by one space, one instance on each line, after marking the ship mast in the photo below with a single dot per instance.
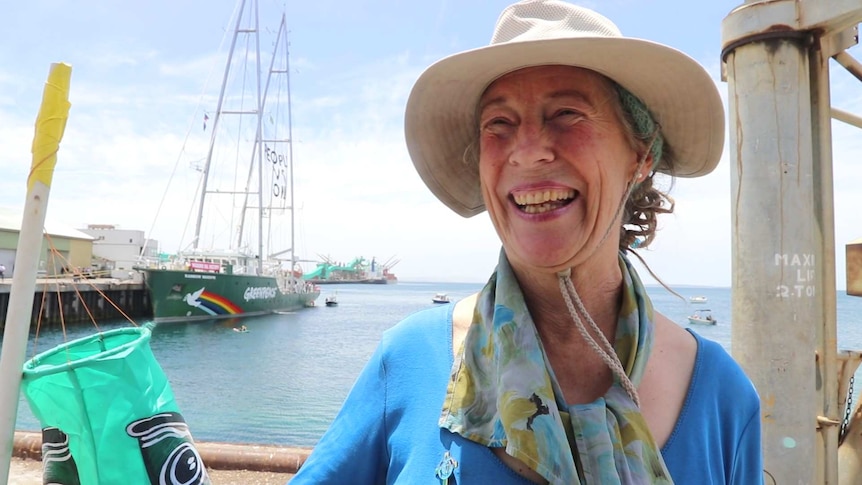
217 117
260 255
281 45
289 148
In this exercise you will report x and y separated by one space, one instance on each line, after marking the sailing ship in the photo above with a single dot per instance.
245 192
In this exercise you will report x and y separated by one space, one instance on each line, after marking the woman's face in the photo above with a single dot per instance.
554 161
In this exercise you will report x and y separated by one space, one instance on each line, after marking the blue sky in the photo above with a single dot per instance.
139 69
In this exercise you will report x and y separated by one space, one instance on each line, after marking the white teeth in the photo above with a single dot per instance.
541 197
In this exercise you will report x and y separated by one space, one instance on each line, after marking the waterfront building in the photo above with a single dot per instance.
73 247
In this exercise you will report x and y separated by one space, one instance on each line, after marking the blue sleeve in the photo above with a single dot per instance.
717 438
748 462
353 448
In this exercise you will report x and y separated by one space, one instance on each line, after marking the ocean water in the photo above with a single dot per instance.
283 381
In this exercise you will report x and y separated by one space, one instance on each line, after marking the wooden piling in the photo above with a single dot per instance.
68 300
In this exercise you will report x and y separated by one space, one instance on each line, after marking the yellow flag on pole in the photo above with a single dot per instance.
50 124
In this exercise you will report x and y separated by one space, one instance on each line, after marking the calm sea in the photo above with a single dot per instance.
283 381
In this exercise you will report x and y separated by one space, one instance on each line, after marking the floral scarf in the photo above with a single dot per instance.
503 393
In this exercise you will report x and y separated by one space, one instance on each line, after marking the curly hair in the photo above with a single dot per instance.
640 221
640 214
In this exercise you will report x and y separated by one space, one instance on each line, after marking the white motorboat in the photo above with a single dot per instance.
702 317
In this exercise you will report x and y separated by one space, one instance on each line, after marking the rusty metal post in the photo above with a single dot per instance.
783 254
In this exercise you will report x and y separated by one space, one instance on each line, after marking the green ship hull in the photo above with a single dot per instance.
177 296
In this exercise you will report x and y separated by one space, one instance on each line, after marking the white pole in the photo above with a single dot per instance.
50 125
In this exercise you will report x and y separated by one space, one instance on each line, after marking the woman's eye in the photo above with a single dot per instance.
568 112
566 117
496 123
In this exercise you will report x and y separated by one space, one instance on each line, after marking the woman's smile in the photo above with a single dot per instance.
542 201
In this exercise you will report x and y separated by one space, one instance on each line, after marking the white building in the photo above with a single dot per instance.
119 250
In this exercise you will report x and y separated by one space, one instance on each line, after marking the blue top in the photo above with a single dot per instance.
387 431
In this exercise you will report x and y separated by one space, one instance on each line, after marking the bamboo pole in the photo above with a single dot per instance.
50 125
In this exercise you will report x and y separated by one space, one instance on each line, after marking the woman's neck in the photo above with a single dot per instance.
599 287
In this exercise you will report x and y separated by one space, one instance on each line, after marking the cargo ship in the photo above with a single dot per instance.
358 271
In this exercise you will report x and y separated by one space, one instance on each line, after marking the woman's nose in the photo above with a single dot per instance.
532 145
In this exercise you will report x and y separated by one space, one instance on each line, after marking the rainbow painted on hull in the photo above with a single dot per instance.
217 305
183 295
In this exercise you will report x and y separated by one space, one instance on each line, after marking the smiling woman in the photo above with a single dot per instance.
541 140
559 370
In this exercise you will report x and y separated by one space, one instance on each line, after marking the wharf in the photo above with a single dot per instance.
69 299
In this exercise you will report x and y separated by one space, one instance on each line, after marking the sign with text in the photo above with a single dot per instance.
204 266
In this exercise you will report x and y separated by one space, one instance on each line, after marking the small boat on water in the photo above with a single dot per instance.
441 298
702 317
697 299
332 300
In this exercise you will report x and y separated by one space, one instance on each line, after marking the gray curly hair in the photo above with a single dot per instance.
640 214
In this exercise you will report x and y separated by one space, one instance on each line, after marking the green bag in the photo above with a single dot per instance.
108 414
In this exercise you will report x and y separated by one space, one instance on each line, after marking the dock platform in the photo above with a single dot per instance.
66 299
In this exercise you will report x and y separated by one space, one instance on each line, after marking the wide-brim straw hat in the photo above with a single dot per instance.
440 119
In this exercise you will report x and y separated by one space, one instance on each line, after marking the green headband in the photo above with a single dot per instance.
645 124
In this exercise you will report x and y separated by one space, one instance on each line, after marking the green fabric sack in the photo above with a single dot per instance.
108 414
